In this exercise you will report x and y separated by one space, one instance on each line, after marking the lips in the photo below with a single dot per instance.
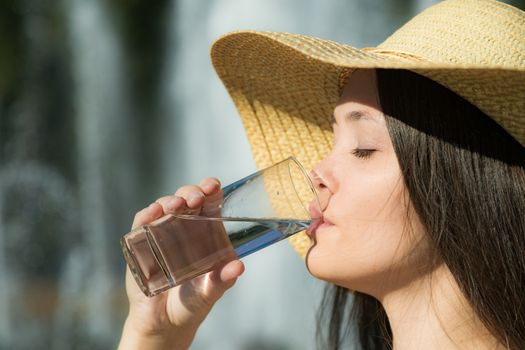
318 220
315 212
317 224
314 226
326 222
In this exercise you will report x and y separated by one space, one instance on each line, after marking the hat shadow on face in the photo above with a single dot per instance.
285 86
444 116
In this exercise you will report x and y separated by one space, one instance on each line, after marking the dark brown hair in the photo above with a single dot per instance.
465 176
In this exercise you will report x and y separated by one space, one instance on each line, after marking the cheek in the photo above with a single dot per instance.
369 236
369 199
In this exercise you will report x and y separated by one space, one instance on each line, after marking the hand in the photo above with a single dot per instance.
171 319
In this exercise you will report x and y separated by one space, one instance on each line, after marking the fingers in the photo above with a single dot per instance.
224 277
220 280
172 204
194 195
231 270
190 199
147 215
187 200
210 185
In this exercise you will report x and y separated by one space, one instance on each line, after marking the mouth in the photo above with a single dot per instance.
318 220
316 225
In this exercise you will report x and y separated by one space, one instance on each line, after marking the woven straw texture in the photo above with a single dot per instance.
285 86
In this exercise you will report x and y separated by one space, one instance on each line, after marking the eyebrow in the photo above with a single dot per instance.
355 116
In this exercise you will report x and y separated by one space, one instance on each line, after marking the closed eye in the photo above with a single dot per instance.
362 153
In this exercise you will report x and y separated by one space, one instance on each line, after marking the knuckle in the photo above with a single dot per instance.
163 200
208 300
210 181
185 191
138 219
140 213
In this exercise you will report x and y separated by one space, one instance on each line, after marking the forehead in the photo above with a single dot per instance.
361 87
359 101
355 114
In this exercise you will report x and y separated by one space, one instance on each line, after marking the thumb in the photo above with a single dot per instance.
194 299
224 278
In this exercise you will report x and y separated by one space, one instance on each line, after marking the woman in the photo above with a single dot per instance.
423 190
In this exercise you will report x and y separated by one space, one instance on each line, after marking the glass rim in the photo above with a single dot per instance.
308 181
233 218
310 185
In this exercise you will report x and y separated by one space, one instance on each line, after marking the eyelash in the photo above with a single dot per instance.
362 153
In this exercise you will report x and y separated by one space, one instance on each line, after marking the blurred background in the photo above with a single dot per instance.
106 106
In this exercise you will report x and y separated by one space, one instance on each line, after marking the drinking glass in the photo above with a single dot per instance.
242 218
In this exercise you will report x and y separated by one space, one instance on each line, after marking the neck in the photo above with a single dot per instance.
432 313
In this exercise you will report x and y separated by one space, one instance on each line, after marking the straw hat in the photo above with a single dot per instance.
285 86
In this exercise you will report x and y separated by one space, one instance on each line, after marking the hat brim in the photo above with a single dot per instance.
285 87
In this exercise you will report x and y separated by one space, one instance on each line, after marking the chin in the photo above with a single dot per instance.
330 269
322 267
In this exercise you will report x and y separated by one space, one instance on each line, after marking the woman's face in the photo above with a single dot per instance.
366 241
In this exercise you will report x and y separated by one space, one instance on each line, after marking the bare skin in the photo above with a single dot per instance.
371 241
171 319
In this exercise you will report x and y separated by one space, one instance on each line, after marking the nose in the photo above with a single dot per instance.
321 180
317 180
